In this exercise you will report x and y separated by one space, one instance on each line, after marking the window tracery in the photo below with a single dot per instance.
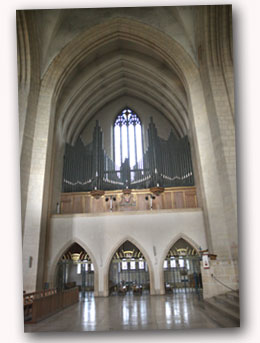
128 143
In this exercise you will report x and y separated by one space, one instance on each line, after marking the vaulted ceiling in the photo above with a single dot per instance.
117 67
115 70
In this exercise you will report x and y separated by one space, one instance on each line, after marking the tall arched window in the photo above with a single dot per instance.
128 141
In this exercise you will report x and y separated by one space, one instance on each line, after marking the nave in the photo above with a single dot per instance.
131 312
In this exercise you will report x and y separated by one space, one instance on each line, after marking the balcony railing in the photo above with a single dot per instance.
128 200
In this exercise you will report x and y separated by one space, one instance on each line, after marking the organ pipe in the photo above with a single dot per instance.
167 162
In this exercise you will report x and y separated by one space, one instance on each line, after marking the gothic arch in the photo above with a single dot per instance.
165 252
88 41
63 65
54 264
122 108
113 251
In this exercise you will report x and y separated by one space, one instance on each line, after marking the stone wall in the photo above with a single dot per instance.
226 272
153 234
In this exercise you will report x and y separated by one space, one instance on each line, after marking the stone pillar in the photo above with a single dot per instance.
216 70
158 288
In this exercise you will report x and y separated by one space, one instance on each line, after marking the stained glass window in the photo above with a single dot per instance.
128 141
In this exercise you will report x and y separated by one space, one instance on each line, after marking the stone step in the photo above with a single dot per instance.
217 318
233 295
223 310
228 302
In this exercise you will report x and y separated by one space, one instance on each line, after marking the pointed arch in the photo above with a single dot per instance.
166 250
126 107
91 39
174 240
62 250
113 250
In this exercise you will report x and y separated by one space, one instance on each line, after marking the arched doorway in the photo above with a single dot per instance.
181 268
75 269
128 272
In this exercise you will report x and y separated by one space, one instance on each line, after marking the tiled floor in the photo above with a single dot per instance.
179 311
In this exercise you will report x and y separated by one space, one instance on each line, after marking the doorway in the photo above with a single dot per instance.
181 267
128 272
75 269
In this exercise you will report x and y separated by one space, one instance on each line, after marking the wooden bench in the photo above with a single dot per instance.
39 305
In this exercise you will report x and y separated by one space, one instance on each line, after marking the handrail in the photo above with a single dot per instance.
213 277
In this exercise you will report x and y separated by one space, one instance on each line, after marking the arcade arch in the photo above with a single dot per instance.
129 271
75 268
133 243
181 268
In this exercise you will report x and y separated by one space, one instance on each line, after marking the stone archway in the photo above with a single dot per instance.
180 269
113 252
129 271
90 259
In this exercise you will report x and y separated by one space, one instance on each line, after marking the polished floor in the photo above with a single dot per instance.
129 312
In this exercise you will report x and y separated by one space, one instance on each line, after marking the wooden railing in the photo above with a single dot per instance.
138 200
40 305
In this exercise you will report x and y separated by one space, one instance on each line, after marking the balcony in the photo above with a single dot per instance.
129 200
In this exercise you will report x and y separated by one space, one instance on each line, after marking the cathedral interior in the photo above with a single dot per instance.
128 168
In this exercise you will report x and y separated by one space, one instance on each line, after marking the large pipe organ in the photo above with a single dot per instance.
166 163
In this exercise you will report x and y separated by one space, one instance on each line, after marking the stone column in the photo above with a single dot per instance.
217 151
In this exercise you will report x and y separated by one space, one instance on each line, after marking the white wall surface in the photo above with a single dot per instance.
152 232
